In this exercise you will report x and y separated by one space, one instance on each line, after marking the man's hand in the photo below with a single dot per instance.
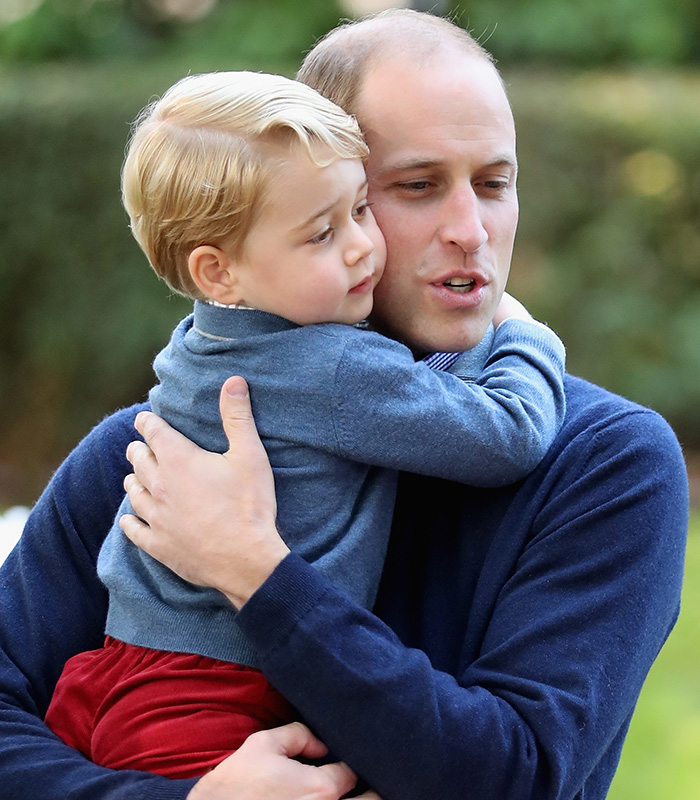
209 517
264 768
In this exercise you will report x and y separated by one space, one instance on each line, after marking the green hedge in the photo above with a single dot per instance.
609 243
541 31
608 250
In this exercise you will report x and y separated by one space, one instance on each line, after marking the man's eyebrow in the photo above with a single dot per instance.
408 164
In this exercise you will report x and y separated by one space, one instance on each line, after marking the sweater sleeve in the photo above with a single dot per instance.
547 694
52 606
393 412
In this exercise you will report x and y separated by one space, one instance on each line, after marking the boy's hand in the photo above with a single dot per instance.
510 308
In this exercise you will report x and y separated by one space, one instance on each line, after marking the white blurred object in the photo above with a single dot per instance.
11 524
357 8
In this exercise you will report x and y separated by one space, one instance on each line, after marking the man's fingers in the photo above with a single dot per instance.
295 739
237 415
135 529
340 777
139 497
158 434
142 459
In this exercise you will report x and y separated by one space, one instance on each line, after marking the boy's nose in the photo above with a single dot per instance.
359 246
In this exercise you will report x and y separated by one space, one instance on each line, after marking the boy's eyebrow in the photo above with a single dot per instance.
309 221
325 210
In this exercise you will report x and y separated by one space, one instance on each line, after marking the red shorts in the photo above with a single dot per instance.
174 714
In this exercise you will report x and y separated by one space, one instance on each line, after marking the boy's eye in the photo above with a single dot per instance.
360 211
322 237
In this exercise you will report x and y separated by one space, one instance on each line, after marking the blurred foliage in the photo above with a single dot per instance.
586 33
219 30
661 757
539 31
609 245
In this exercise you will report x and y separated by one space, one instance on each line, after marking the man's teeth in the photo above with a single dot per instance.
460 285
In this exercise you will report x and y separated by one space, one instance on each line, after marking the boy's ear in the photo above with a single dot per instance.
214 273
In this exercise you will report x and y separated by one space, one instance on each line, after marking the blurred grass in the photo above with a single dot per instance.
661 758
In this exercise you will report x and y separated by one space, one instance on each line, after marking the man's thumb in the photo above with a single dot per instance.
236 413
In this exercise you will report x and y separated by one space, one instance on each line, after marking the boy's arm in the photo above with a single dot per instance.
392 412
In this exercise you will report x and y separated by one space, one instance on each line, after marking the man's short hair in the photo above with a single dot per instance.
197 166
338 63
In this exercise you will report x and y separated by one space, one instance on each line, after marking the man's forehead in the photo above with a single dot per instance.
450 117
382 72
452 89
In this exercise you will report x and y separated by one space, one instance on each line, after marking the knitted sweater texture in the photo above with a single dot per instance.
340 410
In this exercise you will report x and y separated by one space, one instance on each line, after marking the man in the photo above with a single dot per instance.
514 627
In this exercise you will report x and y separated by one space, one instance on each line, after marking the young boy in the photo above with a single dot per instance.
247 192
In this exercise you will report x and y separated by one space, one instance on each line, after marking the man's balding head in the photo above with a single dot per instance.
338 64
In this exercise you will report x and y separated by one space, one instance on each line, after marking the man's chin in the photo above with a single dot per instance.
455 342
433 338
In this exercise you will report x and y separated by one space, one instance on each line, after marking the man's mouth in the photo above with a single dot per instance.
460 285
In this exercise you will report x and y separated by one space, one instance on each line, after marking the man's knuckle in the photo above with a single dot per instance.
159 491
151 427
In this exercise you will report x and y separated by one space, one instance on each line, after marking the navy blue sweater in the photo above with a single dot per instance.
515 626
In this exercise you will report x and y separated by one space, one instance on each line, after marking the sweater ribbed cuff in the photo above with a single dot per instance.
272 613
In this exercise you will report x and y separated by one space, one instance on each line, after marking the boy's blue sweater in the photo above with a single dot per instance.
339 411
515 629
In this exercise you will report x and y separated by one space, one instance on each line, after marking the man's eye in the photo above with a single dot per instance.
322 237
499 185
415 186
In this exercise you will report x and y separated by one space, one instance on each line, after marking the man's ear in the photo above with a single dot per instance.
214 273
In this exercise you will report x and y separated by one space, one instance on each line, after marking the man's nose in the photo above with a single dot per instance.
359 245
462 222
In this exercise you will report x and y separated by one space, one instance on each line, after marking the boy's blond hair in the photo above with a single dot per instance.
196 172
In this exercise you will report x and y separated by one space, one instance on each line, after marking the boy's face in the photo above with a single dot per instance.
316 252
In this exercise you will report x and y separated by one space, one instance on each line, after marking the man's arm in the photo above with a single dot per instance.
52 606
564 651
